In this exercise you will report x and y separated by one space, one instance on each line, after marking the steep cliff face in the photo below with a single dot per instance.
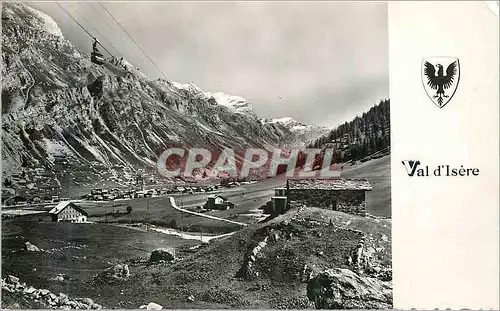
59 106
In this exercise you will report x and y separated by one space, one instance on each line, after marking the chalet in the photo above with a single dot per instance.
96 192
339 194
67 211
217 202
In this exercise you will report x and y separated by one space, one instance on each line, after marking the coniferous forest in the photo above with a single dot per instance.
366 136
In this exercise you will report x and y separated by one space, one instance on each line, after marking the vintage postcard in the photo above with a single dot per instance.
249 155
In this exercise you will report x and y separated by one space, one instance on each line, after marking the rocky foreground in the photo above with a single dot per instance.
17 294
307 258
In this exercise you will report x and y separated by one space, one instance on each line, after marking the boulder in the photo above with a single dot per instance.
161 254
20 286
7 288
153 306
52 297
31 248
343 289
44 292
73 304
63 299
58 278
29 290
36 294
119 272
87 301
12 279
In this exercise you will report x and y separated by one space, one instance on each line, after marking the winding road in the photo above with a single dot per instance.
172 203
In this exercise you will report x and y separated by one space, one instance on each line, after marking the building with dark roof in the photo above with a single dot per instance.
67 211
339 194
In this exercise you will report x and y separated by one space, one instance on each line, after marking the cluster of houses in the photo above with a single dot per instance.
111 194
8 200
115 193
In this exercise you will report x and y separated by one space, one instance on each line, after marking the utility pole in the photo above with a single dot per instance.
182 229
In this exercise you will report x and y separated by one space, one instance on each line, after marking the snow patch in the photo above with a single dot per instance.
286 121
235 103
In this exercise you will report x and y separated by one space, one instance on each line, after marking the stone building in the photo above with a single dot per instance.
339 194
278 201
278 205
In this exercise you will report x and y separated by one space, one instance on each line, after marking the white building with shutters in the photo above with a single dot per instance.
67 211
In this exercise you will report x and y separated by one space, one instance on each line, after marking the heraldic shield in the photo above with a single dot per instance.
440 76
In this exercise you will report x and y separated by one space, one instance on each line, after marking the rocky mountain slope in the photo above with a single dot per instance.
65 117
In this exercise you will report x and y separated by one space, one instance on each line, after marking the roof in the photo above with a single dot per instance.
214 196
330 184
62 205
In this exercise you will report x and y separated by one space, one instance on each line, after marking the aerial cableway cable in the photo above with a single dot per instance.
131 38
62 8
78 23
106 40
100 34
112 29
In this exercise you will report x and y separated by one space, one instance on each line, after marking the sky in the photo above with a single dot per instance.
320 63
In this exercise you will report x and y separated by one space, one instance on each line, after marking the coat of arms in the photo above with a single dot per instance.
440 76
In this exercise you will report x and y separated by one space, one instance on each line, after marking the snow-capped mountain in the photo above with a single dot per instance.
66 116
302 131
290 123
236 104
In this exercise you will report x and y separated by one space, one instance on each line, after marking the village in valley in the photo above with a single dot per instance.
89 221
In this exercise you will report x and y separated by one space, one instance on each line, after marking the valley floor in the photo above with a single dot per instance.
300 243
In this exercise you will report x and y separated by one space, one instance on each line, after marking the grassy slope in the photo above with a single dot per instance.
378 173
78 250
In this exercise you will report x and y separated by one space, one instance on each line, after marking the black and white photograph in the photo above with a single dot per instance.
197 155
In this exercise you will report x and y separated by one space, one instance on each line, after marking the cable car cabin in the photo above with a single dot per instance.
97 58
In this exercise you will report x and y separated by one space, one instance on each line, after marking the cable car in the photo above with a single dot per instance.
97 58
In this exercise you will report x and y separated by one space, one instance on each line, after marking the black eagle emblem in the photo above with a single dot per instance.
440 81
